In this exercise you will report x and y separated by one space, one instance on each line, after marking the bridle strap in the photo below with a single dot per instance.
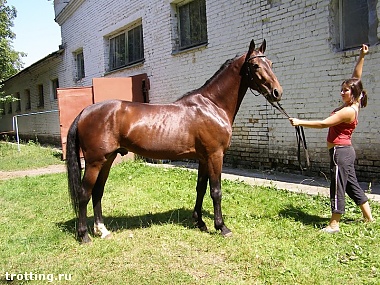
301 139
249 73
255 56
300 134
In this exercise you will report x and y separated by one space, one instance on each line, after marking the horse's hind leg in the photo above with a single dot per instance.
97 194
89 179
201 191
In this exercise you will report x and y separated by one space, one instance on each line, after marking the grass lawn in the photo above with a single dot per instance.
276 234
31 155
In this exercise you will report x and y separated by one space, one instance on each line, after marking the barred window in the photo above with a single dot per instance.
126 48
54 86
41 97
10 109
18 102
358 23
28 104
2 109
79 58
192 24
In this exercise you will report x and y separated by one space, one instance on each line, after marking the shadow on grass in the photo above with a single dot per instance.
299 215
182 217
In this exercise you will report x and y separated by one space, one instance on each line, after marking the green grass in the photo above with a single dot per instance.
276 234
31 155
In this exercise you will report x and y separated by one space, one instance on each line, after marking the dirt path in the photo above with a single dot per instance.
32 172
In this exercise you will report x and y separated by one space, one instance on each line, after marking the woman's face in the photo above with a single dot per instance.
345 92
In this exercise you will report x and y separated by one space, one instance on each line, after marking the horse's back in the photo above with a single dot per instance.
172 131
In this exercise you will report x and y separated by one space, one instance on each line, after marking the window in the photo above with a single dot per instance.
54 86
79 59
27 99
126 48
192 24
18 102
358 23
10 111
2 109
41 99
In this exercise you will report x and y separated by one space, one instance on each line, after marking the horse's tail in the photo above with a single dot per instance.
73 164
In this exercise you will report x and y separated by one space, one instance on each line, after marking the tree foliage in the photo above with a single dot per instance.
10 60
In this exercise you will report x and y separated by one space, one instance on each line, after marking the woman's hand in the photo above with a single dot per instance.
294 121
364 50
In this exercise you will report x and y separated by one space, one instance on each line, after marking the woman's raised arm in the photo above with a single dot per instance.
359 64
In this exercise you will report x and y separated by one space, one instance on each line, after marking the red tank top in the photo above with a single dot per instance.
341 133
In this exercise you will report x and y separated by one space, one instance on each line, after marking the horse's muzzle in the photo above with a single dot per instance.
276 95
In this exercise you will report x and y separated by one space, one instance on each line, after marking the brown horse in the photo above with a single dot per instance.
196 126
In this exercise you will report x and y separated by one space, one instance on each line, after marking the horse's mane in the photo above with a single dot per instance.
222 67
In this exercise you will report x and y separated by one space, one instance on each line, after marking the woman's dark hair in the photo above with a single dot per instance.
357 91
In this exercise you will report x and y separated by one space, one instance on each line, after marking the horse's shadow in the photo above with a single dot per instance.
181 217
290 212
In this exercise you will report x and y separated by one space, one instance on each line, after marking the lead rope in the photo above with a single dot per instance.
300 134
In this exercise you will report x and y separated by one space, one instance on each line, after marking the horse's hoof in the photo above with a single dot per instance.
101 230
85 240
204 229
107 236
226 233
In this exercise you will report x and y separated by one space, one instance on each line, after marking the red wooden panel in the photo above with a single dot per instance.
112 88
71 102
123 88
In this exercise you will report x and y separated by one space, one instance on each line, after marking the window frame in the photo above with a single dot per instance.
2 109
361 34
28 103
41 96
122 43
10 108
79 65
54 86
185 37
18 102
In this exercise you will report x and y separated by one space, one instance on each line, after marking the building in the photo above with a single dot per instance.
36 110
179 44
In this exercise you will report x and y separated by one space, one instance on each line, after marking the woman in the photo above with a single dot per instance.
341 124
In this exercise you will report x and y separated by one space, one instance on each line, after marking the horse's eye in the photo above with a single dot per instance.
256 66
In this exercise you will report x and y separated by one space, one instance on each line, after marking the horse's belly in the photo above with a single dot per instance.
160 145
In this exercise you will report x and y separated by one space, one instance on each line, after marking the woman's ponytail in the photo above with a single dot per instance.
363 99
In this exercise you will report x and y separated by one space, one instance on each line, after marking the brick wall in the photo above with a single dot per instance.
302 42
43 127
302 39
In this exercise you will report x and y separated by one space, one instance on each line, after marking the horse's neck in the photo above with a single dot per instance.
227 90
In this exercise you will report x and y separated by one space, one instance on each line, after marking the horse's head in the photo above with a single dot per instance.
257 69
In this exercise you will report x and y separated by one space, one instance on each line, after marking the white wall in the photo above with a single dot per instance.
34 126
302 42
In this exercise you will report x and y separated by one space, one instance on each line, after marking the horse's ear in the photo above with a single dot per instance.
252 46
263 46
250 50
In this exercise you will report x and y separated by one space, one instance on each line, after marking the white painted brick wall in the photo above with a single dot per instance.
301 41
33 126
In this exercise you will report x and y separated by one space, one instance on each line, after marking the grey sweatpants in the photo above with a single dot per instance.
343 179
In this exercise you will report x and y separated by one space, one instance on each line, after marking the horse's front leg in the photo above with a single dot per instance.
201 191
215 174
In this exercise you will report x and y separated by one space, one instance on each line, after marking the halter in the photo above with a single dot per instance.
299 129
249 72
